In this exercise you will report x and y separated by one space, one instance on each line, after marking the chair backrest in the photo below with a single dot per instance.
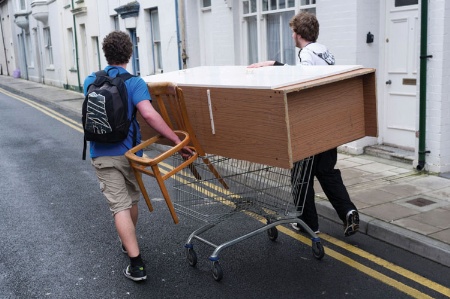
168 100
165 96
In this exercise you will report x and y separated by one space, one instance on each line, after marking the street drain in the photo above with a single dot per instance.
420 202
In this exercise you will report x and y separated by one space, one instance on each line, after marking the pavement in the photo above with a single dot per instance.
397 204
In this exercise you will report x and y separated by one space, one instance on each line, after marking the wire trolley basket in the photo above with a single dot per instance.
273 193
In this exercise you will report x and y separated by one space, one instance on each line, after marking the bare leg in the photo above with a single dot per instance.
134 214
127 230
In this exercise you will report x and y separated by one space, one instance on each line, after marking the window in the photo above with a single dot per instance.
307 2
22 4
71 39
135 57
267 33
156 42
48 46
249 6
268 5
399 3
252 39
96 47
206 3
280 45
266 28
116 22
308 5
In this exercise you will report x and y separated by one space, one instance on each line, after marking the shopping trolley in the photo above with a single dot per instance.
276 194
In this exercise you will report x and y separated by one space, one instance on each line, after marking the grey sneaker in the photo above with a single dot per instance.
137 273
352 223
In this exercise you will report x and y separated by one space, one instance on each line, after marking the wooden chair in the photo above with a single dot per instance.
169 101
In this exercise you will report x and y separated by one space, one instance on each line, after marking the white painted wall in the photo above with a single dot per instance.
55 73
343 29
168 31
8 52
438 87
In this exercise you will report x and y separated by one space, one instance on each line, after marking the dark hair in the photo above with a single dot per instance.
306 25
117 47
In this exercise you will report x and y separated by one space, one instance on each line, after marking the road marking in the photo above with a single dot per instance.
388 265
50 112
336 255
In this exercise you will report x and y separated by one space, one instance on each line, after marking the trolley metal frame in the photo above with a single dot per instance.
276 194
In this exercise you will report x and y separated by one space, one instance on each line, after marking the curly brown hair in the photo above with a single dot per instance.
306 25
117 48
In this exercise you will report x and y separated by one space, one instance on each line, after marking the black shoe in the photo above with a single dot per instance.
136 273
352 224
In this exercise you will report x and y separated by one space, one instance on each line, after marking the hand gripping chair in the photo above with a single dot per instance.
169 100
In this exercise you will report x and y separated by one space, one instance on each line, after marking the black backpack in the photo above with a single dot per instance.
105 110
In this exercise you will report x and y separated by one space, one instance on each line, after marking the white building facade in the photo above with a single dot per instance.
58 42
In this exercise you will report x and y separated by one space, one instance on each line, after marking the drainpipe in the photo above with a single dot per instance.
76 49
423 84
181 34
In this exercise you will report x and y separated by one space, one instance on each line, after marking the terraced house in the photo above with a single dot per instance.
58 42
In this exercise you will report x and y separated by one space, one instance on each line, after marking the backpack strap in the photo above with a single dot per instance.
101 73
125 76
84 148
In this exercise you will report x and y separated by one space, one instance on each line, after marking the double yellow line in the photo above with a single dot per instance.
345 259
329 252
50 112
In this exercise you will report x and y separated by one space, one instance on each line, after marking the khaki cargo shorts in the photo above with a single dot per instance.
117 182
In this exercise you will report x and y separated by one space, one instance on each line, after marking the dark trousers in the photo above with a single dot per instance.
332 185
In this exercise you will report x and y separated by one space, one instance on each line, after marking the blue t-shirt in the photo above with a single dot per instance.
137 92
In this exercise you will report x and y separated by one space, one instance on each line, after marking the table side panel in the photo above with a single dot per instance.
370 104
324 117
250 124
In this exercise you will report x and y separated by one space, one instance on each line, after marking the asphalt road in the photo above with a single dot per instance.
58 239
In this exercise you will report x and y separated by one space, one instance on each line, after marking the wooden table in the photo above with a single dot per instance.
276 115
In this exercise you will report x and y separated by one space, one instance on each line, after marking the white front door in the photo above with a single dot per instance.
207 38
402 62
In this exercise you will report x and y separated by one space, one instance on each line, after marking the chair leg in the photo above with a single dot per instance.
138 176
192 168
165 193
215 172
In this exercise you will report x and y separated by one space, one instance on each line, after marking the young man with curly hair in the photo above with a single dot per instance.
117 181
305 31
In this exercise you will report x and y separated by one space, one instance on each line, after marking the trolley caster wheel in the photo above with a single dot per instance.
191 256
318 250
217 271
272 233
